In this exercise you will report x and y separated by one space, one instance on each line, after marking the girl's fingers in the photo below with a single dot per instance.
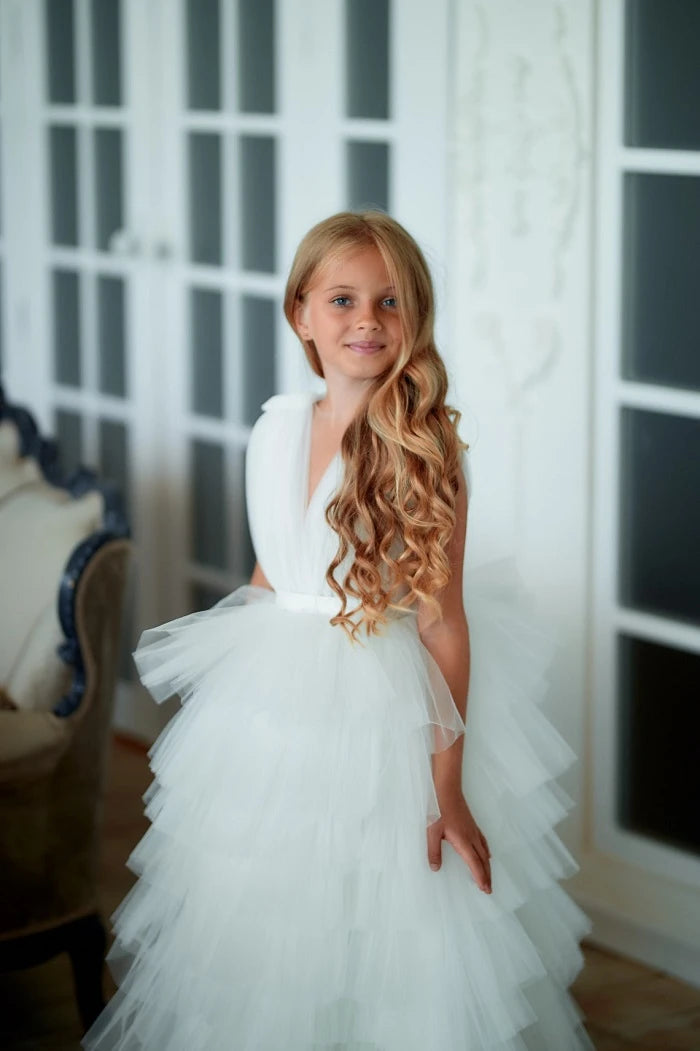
471 845
482 851
486 865
434 842
483 876
480 871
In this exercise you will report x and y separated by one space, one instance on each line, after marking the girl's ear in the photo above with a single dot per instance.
300 318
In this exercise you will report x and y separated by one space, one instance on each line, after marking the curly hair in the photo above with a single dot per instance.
396 506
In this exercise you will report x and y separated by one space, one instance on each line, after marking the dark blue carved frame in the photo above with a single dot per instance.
114 527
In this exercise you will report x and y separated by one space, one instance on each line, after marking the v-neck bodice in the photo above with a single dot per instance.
293 542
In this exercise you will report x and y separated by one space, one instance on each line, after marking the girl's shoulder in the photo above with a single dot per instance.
278 414
294 401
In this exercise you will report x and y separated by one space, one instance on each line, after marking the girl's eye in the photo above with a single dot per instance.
343 301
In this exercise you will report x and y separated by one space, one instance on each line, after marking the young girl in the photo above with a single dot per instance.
295 893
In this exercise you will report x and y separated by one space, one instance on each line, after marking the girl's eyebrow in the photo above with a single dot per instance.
351 288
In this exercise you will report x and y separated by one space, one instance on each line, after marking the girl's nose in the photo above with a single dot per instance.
368 317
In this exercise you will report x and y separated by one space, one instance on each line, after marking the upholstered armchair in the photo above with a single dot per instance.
64 551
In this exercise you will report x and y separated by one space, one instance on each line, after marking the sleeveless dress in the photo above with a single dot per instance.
285 899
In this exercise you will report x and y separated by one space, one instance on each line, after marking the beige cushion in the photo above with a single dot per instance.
40 526
39 678
31 743
14 471
5 700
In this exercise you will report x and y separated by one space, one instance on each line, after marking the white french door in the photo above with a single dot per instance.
646 595
166 156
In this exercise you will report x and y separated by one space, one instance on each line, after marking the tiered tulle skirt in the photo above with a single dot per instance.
285 901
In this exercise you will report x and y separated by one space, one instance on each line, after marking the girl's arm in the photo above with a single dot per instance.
448 643
259 579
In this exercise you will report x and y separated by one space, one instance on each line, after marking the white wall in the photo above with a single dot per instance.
520 353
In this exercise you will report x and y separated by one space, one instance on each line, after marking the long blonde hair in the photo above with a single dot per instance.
401 452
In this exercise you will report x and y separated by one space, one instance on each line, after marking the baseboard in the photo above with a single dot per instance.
628 937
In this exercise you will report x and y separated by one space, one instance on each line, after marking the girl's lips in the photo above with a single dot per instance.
365 347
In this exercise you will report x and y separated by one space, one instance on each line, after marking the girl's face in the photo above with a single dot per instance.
350 313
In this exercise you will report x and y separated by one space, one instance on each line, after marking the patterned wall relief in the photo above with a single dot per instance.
520 155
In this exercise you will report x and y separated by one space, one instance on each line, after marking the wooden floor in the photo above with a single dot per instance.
626 1005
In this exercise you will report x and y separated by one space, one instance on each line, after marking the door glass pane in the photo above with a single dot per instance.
113 453
368 175
660 514
69 436
256 56
258 211
661 306
110 313
66 327
367 58
209 523
258 328
106 52
61 55
207 352
203 59
662 74
205 197
659 727
114 458
64 186
245 559
108 189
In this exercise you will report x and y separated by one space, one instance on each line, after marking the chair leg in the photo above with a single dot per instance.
87 941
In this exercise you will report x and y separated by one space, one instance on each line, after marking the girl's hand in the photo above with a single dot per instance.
459 828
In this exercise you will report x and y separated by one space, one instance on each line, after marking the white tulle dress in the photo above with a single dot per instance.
285 900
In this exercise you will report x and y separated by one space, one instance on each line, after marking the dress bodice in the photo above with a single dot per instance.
294 544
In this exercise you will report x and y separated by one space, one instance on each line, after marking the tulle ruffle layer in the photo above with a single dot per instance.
285 899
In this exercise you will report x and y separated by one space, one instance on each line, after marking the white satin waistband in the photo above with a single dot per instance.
330 604
300 600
